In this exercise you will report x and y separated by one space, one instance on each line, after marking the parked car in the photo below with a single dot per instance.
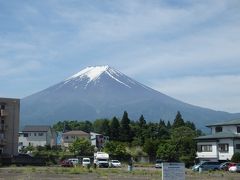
224 166
75 161
114 163
231 164
86 162
66 163
158 163
207 165
235 168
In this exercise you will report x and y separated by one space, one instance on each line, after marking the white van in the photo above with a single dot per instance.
75 161
86 162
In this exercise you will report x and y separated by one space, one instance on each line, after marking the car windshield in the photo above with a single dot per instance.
158 161
86 160
115 161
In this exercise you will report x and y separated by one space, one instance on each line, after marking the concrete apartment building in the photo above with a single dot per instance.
9 126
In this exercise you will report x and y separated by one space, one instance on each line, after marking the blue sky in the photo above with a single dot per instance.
186 49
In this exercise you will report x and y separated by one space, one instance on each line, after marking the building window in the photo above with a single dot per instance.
35 134
218 129
25 135
237 146
40 134
223 147
204 148
73 137
238 129
66 137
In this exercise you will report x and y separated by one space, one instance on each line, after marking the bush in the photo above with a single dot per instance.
236 157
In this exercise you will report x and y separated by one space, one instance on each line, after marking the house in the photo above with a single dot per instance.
222 143
98 140
9 124
37 136
70 136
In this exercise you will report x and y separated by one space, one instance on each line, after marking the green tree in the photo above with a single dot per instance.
102 126
178 121
163 132
190 125
116 150
162 123
139 131
81 146
150 147
181 146
169 126
105 129
125 133
167 152
183 138
236 157
114 129
142 122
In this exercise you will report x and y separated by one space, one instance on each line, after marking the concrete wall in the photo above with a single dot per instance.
232 129
211 155
9 120
226 155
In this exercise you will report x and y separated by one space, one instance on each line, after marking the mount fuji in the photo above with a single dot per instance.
104 92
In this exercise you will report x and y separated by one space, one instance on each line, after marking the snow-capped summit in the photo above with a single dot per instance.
97 74
92 72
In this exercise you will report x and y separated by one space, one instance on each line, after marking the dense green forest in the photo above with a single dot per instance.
163 140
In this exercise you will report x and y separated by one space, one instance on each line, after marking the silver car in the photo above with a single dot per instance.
158 163
114 163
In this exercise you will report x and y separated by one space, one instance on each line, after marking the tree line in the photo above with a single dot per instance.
169 142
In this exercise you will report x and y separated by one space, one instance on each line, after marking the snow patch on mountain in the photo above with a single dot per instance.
90 72
117 79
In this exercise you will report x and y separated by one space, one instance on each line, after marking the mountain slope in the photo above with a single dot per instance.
103 92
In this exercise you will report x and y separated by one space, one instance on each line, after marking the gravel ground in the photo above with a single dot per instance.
140 173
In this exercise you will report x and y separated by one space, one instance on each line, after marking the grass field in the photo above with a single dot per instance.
139 173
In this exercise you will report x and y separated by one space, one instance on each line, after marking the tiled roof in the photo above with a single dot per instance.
76 132
220 135
36 128
226 123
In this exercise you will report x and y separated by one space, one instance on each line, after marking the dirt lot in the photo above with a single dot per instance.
140 173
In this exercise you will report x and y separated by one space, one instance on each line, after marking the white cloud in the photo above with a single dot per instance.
215 92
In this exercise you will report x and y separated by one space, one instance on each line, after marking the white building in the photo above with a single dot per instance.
222 143
36 136
98 140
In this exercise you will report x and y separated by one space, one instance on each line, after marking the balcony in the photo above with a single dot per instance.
3 112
